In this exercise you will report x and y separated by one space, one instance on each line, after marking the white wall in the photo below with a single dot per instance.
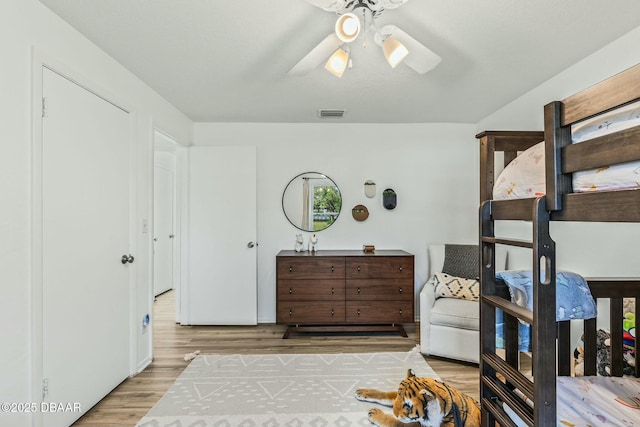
27 24
432 167
591 249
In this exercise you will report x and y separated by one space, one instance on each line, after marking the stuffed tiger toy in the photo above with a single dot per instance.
422 402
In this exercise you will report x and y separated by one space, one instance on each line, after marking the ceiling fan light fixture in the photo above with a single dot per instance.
337 62
394 51
348 27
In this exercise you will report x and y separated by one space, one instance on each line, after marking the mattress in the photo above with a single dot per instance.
525 176
594 401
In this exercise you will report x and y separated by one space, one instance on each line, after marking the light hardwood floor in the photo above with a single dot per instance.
131 400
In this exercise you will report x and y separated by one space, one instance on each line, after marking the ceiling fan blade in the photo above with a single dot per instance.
316 56
385 4
420 58
328 5
345 5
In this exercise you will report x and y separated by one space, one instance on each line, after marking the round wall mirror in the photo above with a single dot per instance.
311 201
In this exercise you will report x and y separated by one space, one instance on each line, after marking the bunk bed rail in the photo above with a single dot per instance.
543 335
614 289
507 142
563 158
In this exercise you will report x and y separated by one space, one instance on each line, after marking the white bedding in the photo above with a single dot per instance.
592 401
525 176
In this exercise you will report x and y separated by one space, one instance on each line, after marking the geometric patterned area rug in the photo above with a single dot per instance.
280 390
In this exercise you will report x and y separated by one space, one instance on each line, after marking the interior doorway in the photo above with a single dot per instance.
166 216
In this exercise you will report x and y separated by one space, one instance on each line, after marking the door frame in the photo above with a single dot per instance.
179 151
40 60
158 166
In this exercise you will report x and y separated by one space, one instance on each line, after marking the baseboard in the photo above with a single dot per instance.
143 365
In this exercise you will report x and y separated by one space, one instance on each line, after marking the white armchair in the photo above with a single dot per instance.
449 327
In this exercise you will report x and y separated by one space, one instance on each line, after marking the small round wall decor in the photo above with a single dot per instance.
360 212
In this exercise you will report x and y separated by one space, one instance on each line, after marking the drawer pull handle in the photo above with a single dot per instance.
358 312
332 268
400 290
400 312
290 269
358 291
358 268
400 268
290 313
290 291
333 312
332 291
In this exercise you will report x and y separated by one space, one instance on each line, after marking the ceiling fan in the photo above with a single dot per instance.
356 18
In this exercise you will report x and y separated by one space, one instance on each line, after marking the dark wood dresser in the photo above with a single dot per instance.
344 290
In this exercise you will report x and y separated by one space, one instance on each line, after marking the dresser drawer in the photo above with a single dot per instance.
310 267
310 312
379 289
320 290
379 267
379 312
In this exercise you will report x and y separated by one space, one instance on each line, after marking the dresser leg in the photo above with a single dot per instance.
287 332
401 330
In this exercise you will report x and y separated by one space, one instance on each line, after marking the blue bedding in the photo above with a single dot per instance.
573 300
524 333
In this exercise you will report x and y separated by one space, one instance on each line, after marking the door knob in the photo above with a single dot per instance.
127 259
171 236
251 244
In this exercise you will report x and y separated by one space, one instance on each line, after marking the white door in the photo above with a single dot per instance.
222 249
163 227
86 180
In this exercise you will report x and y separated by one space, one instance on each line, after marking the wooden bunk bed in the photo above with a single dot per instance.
502 382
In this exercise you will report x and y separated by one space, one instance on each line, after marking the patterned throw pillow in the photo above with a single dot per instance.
447 286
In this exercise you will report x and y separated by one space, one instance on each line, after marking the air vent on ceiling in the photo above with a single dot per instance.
331 113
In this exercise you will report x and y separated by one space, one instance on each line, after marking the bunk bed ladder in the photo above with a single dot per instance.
501 379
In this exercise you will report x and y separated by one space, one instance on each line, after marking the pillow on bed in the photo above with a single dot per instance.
608 178
612 121
523 177
461 261
447 286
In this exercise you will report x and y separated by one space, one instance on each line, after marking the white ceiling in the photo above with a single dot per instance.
227 60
